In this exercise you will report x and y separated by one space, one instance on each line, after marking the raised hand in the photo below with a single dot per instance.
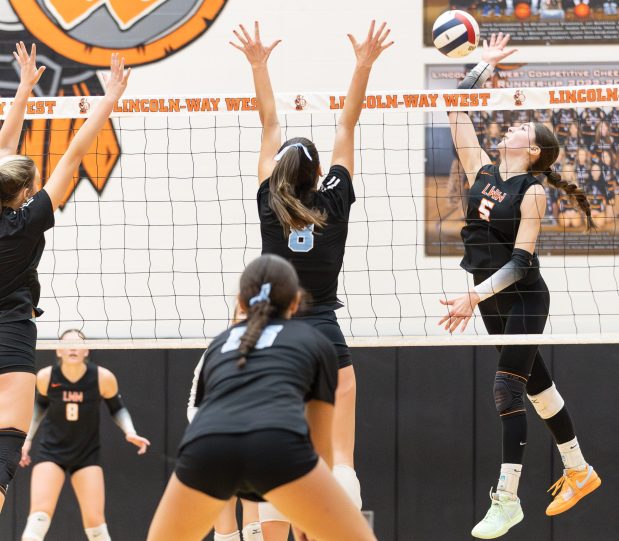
256 52
495 51
116 81
138 441
29 74
369 50
459 311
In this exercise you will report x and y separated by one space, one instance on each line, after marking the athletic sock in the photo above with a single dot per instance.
572 455
234 536
509 479
99 533
253 532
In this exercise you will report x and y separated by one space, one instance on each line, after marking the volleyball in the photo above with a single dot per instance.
455 33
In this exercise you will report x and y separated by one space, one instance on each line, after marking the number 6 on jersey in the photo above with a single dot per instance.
301 240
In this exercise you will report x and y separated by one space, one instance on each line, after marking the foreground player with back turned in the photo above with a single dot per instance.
506 204
308 227
67 409
226 527
27 211
269 388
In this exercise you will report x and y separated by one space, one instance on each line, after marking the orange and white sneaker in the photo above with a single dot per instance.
571 488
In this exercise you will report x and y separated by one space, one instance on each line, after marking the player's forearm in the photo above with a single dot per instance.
88 132
37 417
122 419
67 166
12 127
265 96
512 272
355 96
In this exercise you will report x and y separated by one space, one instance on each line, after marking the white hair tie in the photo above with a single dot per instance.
283 151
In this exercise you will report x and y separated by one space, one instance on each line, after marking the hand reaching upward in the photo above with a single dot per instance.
116 81
369 50
29 73
494 52
256 52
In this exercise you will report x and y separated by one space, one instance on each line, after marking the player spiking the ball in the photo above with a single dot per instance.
506 204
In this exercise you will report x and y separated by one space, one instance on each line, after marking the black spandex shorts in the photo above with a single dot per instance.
18 341
326 323
245 465
69 466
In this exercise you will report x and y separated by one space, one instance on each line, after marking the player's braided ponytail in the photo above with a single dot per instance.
574 193
269 285
293 183
549 151
16 173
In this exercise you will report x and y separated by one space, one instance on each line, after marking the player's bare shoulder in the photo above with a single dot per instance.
108 384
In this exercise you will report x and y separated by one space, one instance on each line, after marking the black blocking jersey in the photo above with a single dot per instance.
316 254
492 222
291 364
70 429
22 241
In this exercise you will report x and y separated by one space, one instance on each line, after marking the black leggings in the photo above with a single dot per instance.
520 310
523 309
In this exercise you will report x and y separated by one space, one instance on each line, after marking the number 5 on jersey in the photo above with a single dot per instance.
485 206
301 240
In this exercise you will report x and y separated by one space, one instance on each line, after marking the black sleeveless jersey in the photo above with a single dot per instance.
22 241
492 222
316 254
291 364
70 429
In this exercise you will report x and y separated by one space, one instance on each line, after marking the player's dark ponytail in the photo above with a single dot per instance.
549 151
293 183
16 173
268 286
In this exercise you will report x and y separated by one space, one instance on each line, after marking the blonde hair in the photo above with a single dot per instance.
16 173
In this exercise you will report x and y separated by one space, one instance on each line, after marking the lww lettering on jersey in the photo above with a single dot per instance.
268 336
493 193
72 396
330 184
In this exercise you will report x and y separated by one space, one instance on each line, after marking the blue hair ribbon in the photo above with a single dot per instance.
263 296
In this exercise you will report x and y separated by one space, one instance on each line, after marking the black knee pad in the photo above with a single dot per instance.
11 442
509 390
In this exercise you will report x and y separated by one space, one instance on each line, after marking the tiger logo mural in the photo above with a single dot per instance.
76 37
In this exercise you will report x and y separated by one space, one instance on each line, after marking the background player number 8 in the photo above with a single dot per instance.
72 411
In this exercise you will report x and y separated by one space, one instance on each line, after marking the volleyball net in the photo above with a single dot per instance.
149 247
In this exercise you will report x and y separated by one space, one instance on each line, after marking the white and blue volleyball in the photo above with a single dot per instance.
455 33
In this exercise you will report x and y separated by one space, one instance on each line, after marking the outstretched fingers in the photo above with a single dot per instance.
245 33
371 30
